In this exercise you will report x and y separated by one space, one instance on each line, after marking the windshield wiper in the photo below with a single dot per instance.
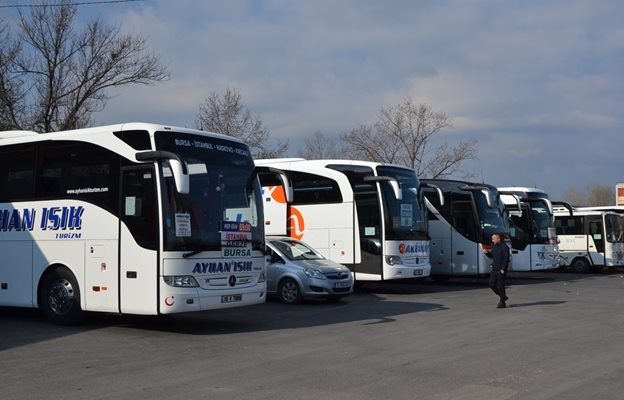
192 253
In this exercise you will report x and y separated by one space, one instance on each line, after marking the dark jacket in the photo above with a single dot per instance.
499 256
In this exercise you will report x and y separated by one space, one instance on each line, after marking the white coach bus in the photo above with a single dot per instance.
535 245
462 226
592 237
133 218
365 215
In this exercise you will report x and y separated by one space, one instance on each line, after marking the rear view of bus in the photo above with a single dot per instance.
365 215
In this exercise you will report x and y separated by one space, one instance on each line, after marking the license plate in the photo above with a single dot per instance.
231 298
418 272
342 285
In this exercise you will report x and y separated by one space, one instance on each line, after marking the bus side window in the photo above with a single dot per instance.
17 172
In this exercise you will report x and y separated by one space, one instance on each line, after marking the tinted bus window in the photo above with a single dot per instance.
17 172
78 170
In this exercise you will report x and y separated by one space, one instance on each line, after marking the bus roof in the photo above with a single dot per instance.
453 183
322 163
10 137
526 192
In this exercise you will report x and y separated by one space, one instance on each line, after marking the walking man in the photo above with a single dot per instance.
500 263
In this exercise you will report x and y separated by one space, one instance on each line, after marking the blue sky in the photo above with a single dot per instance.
538 84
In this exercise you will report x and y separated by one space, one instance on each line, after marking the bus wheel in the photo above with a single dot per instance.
289 291
59 297
580 265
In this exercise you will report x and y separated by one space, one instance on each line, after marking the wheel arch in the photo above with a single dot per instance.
52 268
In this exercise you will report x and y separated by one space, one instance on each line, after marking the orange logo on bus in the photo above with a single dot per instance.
296 224
277 194
402 248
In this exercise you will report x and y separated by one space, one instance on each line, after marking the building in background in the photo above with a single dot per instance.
619 194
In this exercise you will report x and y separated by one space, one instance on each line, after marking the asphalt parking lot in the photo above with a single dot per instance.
558 339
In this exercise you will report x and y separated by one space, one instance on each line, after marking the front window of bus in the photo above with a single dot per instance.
492 217
223 188
542 220
615 228
405 218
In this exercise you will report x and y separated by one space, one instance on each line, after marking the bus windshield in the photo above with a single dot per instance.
542 220
222 189
491 219
615 228
405 218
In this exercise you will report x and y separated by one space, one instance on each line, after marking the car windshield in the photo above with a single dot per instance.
295 250
223 206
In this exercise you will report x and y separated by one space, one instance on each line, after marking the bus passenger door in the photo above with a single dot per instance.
138 241
369 224
465 237
275 210
596 240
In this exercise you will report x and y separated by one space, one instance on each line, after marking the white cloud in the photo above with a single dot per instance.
529 80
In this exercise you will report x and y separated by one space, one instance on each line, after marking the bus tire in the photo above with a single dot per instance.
289 291
580 265
59 297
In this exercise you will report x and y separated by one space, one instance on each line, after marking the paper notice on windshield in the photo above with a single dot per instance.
406 215
235 239
183 224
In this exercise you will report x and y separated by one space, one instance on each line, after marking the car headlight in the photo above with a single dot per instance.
313 273
180 281
262 277
392 260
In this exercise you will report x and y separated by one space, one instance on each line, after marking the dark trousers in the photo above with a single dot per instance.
497 284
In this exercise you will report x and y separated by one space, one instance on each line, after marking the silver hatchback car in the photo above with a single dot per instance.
296 271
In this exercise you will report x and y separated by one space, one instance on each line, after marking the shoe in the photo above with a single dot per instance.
501 305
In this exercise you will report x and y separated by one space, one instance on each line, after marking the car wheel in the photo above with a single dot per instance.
580 265
59 298
289 292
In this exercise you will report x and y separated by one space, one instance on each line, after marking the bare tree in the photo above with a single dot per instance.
228 115
319 147
594 195
11 85
600 195
403 135
573 196
54 77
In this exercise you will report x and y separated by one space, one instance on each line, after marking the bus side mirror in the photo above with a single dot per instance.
182 181
286 182
437 189
394 184
398 194
488 199
178 167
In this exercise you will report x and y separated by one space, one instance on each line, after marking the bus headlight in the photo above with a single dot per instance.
262 277
392 260
180 281
313 273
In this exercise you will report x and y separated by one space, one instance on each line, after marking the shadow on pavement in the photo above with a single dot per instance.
25 326
537 303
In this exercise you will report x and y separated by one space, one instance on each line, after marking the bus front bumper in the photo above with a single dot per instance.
176 300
